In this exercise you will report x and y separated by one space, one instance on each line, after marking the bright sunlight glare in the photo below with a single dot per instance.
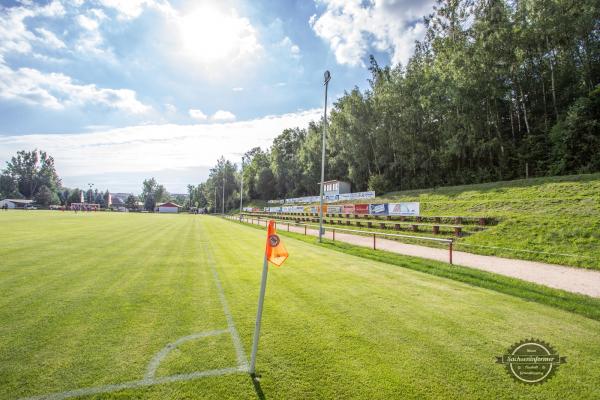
210 36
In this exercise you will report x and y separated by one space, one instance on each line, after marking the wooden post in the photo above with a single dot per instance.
374 247
334 235
304 230
288 226
450 248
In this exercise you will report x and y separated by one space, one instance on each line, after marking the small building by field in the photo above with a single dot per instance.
334 188
168 207
15 203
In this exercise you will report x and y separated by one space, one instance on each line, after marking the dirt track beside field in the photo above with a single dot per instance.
571 279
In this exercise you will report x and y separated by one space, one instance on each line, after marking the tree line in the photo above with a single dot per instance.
497 90
32 175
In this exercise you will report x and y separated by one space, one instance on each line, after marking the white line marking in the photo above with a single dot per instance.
155 362
239 348
136 384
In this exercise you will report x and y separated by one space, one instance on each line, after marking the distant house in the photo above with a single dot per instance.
168 207
118 204
15 203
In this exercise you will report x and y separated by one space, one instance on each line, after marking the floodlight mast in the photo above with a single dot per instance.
326 79
242 188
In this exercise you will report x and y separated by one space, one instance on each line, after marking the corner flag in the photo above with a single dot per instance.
276 254
275 251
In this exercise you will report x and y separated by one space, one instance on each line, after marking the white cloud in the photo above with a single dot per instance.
87 22
142 149
238 89
354 27
197 115
222 115
14 35
57 91
131 9
170 108
50 39
291 47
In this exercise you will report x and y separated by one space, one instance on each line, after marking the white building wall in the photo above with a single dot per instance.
167 209
10 203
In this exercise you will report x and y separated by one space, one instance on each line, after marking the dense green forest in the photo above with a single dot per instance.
496 90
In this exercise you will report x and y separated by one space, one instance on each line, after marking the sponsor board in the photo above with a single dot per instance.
335 209
356 196
348 208
318 209
378 209
361 209
405 209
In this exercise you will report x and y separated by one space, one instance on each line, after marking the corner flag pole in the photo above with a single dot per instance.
276 254
261 300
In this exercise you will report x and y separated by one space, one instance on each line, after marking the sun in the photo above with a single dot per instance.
211 36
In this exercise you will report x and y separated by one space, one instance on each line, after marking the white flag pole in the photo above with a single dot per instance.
261 299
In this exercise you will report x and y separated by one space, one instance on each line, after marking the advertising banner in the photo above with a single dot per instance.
348 208
357 196
378 209
407 209
334 209
361 209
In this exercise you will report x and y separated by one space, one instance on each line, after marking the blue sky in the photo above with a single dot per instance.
120 90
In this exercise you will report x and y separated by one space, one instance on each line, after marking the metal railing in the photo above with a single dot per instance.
356 232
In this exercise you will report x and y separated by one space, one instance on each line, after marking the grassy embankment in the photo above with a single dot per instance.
554 220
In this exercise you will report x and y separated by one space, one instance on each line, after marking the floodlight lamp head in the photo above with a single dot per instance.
326 77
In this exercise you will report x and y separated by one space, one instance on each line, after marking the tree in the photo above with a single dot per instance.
32 169
285 162
131 202
149 203
265 184
576 139
8 187
74 196
44 196
153 193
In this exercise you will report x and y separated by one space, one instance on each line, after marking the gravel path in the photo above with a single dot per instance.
576 280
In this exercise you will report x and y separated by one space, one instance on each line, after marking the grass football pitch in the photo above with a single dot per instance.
120 306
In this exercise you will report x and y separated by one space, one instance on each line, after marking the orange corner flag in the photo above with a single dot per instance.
275 251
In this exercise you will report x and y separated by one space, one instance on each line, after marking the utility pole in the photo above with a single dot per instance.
223 212
326 79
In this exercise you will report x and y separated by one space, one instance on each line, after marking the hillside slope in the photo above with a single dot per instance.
554 219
